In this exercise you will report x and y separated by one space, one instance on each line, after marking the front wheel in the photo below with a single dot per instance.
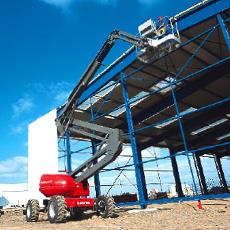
105 206
32 210
57 209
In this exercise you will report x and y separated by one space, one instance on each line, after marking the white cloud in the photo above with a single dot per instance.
58 91
59 3
18 129
22 105
65 4
15 167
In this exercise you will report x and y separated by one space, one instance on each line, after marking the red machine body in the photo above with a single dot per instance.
61 184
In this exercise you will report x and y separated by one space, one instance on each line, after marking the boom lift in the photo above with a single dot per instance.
69 192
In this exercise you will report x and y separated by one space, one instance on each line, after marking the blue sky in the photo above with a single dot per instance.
45 46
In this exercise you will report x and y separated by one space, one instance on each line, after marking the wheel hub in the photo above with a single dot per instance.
28 212
51 210
101 206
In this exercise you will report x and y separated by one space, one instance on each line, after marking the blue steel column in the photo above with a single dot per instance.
200 174
183 135
139 172
96 176
224 31
176 174
94 150
220 172
68 152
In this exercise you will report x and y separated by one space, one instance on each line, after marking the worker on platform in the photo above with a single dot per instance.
163 26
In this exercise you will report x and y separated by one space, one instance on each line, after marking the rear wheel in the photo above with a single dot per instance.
57 209
105 206
32 210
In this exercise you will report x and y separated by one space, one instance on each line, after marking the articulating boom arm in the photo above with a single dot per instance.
110 139
156 39
107 151
69 107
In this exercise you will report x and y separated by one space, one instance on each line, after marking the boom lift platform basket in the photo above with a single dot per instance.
162 37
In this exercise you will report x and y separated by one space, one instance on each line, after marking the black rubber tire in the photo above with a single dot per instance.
32 210
105 206
57 210
24 212
76 214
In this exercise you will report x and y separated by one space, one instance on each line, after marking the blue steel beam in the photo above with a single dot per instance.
176 174
207 137
140 178
184 138
202 81
105 79
224 31
193 75
94 150
206 149
186 21
200 174
202 13
211 148
68 152
221 175
96 176
212 114
138 130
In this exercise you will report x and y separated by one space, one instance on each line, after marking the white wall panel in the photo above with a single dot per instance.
42 152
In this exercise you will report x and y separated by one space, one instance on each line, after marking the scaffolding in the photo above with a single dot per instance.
179 102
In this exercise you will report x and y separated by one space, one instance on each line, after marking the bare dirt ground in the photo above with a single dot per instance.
214 215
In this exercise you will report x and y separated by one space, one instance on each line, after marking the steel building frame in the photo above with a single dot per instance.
133 118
